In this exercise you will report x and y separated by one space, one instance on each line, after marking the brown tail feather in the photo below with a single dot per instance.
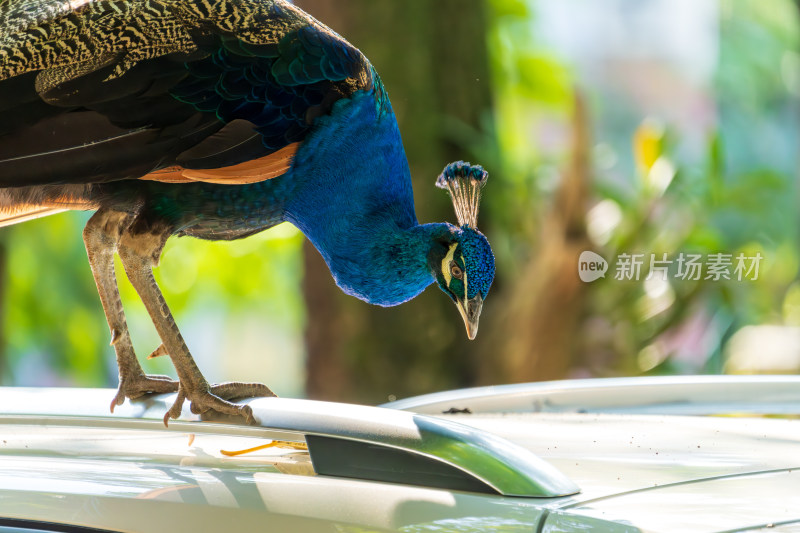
20 204
272 166
24 213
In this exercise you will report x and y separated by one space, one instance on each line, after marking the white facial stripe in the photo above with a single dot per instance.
446 263
466 288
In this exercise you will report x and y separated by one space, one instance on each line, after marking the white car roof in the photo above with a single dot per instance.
65 460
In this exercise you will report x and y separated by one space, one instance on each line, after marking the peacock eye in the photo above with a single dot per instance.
456 271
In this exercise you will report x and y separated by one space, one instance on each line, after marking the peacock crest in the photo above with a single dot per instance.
464 182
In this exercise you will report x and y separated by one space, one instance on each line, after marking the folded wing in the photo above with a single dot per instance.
174 90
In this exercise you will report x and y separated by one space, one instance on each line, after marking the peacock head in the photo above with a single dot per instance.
464 269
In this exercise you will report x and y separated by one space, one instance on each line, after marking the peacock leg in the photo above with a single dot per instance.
139 251
101 236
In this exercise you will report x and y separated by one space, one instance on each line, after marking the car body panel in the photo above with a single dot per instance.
636 472
663 395
203 499
635 452
663 473
110 472
720 504
445 453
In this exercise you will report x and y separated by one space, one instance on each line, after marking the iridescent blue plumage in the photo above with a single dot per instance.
478 261
349 191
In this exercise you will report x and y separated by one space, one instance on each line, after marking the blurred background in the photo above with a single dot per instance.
646 127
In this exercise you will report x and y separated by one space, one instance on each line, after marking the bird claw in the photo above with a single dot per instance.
177 407
216 398
135 387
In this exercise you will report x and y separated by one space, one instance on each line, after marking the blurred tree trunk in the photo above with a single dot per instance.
432 59
533 336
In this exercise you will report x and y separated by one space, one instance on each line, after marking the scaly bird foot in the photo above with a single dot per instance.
216 398
140 384
139 248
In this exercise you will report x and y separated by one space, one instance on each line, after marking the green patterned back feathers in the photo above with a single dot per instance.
66 40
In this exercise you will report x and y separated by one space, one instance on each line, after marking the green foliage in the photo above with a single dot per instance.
757 81
735 192
700 213
55 330
532 89
48 303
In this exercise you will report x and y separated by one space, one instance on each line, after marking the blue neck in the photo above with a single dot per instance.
352 198
387 266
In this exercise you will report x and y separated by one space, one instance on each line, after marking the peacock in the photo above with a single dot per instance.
218 119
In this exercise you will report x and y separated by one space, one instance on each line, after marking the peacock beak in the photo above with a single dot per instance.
470 310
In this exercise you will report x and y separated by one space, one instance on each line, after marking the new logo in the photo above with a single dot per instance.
591 266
